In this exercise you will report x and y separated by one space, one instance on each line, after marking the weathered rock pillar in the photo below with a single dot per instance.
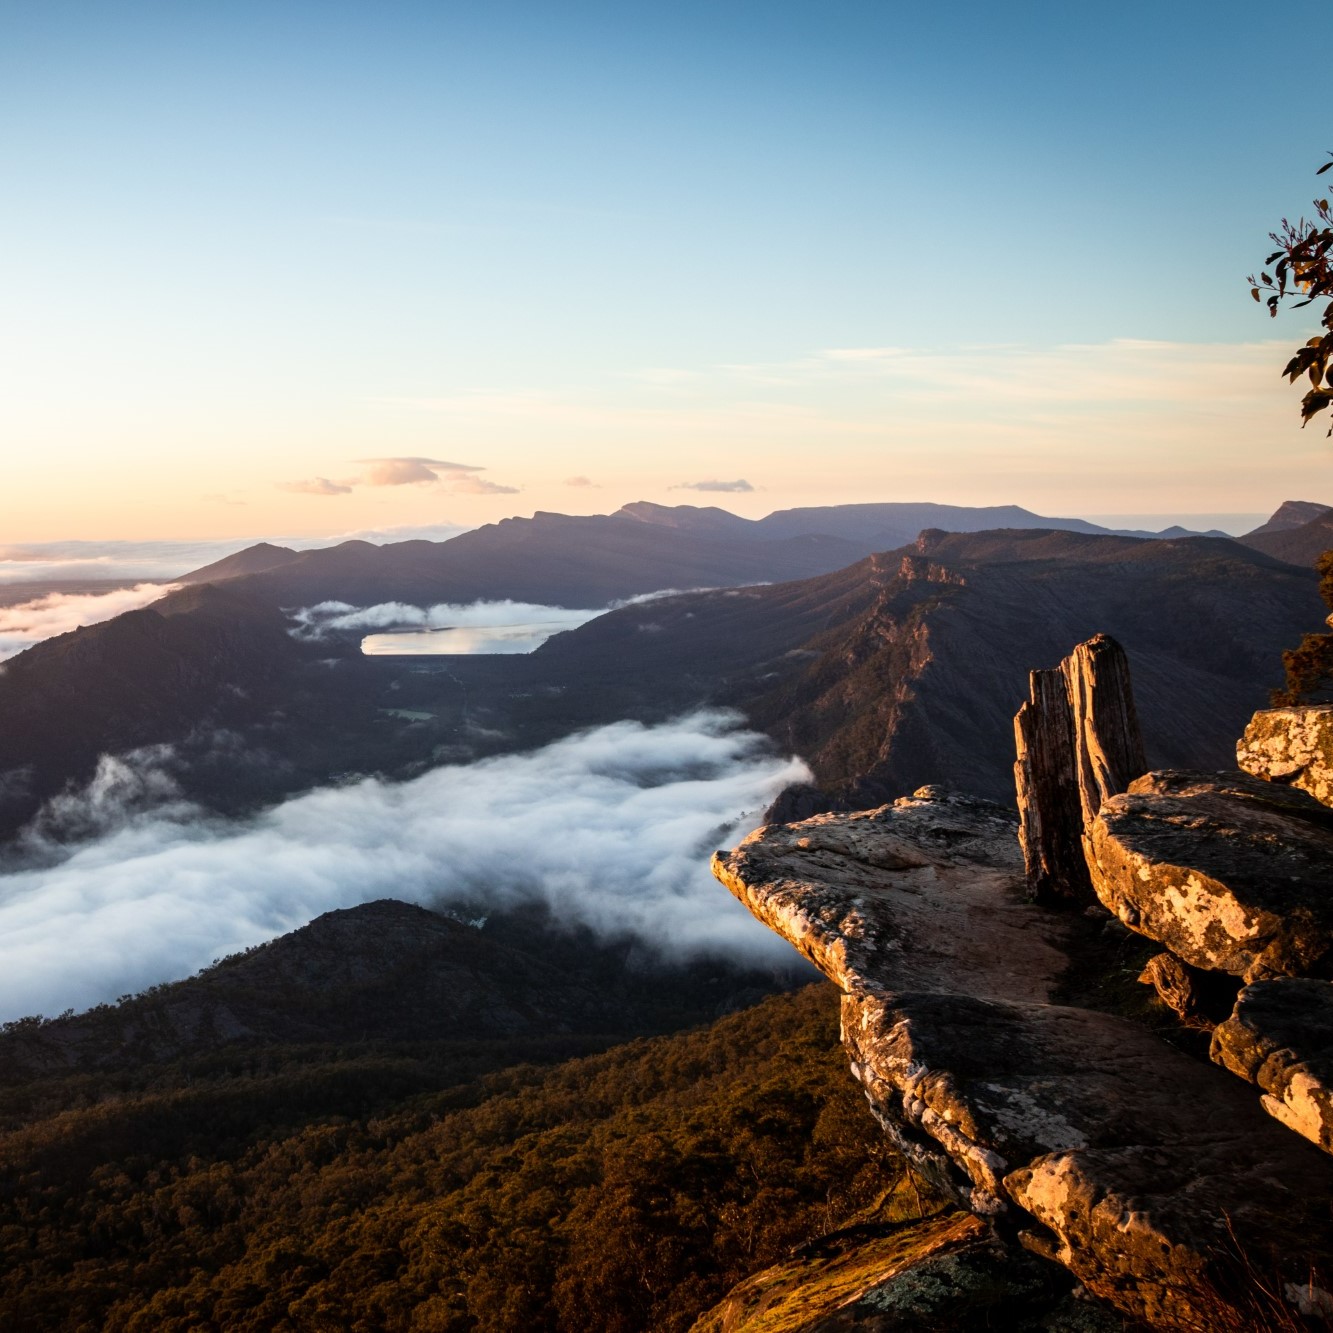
1078 743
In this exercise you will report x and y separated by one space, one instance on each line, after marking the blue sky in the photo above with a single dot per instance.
245 246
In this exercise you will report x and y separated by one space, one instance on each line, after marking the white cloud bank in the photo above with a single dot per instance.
57 613
315 622
611 828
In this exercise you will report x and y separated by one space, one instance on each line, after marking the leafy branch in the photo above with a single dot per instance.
1302 265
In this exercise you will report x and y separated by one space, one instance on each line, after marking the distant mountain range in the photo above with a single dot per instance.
565 560
884 672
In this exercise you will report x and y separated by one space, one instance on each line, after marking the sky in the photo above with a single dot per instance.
301 269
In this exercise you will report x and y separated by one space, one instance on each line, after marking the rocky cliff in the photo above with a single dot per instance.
974 1020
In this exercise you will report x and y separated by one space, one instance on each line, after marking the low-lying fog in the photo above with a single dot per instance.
611 828
447 629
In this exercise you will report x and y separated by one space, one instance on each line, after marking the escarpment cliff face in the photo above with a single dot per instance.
921 686
1164 1185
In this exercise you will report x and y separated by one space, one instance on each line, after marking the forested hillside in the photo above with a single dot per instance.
640 1184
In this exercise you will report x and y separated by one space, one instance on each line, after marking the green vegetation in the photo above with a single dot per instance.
1303 266
623 1191
1310 664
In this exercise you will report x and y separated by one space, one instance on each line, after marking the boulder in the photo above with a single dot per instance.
1156 1179
1281 1038
1195 997
1227 872
1292 745
1078 742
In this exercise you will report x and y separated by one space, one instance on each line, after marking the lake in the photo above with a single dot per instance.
466 640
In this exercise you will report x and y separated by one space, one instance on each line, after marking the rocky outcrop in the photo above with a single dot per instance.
1281 1037
950 1272
1228 873
1291 745
1153 1177
1195 997
1078 743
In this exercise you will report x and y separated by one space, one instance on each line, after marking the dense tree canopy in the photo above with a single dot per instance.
1302 266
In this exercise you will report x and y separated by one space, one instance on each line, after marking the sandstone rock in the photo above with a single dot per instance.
1078 742
1129 1156
1190 993
1292 745
1226 872
948 1273
1050 811
1281 1037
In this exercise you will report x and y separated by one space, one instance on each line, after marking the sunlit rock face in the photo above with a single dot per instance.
1119 1156
1281 1037
1227 872
1291 745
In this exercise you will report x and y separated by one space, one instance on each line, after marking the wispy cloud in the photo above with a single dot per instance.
611 828
739 486
582 483
315 486
477 486
410 471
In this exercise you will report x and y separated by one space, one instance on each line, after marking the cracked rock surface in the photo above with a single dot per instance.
1142 1170
1293 745
1229 873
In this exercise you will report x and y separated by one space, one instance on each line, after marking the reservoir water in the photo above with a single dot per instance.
466 640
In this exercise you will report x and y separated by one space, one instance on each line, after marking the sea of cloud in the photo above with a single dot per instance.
611 828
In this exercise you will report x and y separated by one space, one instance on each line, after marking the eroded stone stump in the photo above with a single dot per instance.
1078 743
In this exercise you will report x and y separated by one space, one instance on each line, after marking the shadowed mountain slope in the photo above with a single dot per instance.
556 559
907 668
1297 544
390 971
1288 515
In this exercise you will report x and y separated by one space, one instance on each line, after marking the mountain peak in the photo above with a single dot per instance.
1291 514
696 518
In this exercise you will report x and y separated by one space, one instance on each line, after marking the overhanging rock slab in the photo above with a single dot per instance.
1130 1155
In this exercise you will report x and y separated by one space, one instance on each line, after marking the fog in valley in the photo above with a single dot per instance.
124 885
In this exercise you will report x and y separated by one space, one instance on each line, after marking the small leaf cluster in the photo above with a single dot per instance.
1302 265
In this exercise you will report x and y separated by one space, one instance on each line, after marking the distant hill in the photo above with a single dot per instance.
1299 533
1290 514
390 971
554 559
257 559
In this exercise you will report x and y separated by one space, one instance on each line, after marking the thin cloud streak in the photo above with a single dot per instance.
610 828
739 487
